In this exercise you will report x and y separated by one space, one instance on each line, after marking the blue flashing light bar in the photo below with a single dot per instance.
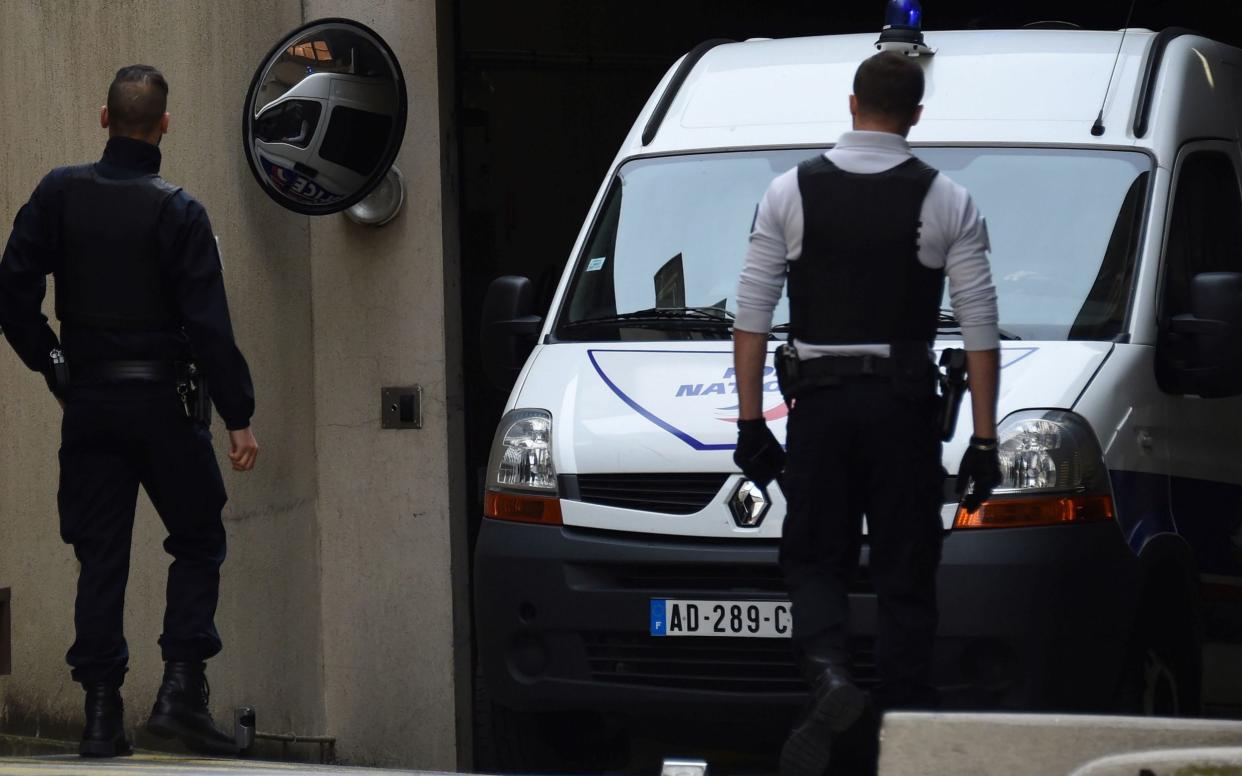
903 29
903 15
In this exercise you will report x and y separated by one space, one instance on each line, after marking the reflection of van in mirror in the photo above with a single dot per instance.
324 138
1102 576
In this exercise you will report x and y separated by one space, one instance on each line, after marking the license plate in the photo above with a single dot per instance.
745 619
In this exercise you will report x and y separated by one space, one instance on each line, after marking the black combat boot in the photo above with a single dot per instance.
181 711
104 733
835 705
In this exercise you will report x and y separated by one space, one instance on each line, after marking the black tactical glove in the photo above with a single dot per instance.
981 466
758 454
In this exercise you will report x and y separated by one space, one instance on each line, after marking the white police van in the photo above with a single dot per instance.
302 138
624 571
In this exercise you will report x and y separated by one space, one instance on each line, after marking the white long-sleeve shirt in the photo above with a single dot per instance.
953 236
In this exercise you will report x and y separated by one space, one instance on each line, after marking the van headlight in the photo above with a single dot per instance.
521 480
1054 473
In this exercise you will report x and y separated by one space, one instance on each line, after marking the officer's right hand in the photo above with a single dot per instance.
758 454
243 449
981 467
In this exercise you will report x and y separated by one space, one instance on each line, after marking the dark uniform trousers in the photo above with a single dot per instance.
866 446
113 439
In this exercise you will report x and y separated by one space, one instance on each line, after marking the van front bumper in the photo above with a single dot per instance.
1030 619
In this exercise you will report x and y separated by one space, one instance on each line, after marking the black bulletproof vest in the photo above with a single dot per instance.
859 280
110 277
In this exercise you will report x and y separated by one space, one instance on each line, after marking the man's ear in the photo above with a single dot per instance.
918 114
164 124
854 106
103 117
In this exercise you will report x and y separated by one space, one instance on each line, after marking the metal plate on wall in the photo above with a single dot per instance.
401 407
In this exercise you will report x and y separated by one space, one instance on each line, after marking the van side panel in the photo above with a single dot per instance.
1128 413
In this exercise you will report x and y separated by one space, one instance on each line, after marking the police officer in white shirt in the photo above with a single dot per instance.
865 235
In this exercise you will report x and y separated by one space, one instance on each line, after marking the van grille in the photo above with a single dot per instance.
720 664
673 494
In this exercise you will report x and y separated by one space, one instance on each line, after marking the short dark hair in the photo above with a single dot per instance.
890 85
137 99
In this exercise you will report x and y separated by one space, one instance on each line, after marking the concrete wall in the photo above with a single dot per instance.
384 505
336 603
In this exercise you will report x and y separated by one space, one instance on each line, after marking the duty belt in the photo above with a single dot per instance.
795 375
103 372
846 366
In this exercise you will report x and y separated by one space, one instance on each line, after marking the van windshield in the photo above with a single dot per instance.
663 259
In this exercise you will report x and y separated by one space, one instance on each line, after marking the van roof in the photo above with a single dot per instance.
1019 86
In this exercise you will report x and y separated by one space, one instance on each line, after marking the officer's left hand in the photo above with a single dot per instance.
758 454
980 466
243 449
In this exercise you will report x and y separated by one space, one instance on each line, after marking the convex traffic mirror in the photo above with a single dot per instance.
324 117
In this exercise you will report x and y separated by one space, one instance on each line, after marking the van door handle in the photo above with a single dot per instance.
1145 439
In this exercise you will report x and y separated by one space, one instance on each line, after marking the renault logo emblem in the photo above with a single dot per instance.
748 504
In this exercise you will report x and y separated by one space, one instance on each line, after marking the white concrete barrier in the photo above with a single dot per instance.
1225 761
1033 744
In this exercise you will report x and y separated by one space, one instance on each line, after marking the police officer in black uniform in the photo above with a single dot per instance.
865 236
140 298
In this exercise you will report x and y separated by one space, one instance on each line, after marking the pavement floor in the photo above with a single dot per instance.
24 756
151 764
20 755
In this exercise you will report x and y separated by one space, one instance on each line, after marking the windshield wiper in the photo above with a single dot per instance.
712 316
949 325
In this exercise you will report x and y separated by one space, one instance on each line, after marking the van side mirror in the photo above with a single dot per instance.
509 328
1208 360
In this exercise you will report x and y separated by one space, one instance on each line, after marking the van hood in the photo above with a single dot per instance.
672 407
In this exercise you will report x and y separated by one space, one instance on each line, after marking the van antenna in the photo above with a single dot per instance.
1097 128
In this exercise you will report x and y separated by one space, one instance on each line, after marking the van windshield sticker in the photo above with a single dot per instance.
596 264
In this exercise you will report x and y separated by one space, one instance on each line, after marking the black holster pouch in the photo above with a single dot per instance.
58 378
192 388
952 379
787 371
